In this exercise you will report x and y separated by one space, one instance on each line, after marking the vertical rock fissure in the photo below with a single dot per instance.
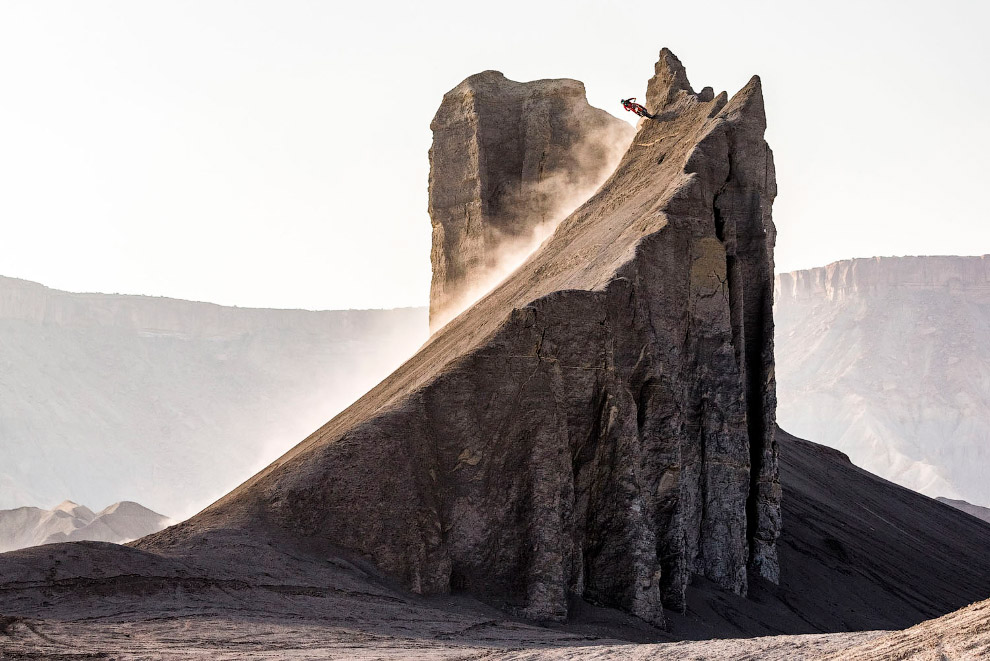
756 426
742 222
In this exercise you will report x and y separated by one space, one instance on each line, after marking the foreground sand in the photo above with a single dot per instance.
248 638
961 635
453 629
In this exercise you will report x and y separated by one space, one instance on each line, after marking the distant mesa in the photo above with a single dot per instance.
886 359
172 403
69 522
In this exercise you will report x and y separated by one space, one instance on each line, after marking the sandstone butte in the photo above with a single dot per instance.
601 424
509 161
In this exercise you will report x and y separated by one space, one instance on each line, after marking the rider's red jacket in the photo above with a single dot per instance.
631 106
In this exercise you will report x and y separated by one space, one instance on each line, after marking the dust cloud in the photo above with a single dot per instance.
341 365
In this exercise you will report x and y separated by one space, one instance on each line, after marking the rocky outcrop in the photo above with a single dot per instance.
509 161
885 359
600 425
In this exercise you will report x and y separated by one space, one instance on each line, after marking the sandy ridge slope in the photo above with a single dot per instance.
962 635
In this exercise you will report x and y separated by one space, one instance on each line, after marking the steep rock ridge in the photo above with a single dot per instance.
583 429
886 359
741 210
509 161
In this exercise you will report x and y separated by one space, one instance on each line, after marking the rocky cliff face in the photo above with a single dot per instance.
886 359
600 425
885 276
509 161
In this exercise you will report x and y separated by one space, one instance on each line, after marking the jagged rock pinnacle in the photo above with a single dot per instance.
669 82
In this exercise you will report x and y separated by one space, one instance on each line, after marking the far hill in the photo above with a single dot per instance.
69 522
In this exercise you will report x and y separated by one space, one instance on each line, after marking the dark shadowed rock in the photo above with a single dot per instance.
600 425
509 161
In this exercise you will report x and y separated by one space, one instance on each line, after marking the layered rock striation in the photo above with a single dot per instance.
509 161
886 275
600 425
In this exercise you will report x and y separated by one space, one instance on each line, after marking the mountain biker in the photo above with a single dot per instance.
631 105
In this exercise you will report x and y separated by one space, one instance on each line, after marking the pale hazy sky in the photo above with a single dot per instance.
275 153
